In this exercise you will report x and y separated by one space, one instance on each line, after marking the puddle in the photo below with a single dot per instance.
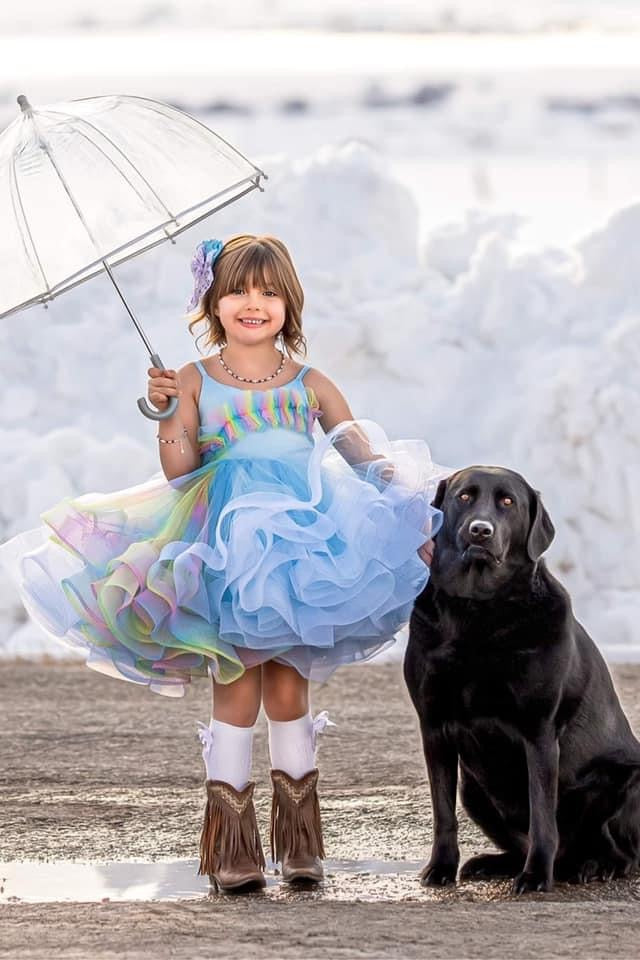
41 882
31 881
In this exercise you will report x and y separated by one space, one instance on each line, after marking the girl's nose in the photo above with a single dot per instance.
253 301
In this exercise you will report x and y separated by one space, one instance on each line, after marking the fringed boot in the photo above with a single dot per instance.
230 849
296 830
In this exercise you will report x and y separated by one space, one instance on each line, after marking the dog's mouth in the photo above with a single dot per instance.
477 552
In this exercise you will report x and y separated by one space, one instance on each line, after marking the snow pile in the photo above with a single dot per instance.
492 355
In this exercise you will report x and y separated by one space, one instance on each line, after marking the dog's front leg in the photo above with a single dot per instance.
441 756
542 763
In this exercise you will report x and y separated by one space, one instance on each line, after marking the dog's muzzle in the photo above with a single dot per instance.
480 532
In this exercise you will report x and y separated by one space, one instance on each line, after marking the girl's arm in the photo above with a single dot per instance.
334 407
353 444
186 417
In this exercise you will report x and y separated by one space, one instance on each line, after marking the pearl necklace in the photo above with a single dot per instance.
236 376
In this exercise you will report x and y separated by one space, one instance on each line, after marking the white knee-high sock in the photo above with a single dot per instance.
292 743
227 752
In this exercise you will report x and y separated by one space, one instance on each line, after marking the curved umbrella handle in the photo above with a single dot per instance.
151 412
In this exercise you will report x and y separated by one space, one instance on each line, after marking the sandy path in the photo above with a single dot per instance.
96 769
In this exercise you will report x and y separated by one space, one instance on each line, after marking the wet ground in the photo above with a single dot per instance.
102 796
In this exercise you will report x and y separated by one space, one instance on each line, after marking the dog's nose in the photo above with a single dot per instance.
481 529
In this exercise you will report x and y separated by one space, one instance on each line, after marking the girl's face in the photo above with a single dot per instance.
251 314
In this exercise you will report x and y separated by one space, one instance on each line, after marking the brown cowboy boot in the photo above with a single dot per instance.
230 849
296 830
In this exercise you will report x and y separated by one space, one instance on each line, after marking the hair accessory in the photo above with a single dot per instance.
205 256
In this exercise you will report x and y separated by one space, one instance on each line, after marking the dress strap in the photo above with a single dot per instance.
206 377
302 372
209 387
203 372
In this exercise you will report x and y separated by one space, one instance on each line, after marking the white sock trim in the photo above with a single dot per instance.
227 751
293 743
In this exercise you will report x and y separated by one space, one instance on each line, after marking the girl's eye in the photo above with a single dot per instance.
271 293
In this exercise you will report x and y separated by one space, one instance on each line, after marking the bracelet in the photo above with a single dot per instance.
178 440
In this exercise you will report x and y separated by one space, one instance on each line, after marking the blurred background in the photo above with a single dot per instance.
458 185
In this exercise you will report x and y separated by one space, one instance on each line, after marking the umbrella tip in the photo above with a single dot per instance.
24 104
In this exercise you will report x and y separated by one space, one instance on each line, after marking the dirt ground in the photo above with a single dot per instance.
94 769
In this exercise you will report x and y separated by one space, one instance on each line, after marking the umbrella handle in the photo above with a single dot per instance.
151 412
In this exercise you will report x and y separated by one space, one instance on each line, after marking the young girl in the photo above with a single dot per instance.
265 554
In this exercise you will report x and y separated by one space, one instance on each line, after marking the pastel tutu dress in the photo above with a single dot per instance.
285 543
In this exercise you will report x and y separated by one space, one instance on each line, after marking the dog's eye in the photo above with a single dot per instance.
465 496
508 502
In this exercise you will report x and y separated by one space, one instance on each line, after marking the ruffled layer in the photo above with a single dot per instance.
277 548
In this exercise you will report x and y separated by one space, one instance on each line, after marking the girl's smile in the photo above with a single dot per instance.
252 308
252 321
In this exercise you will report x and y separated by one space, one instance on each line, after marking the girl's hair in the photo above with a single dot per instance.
262 261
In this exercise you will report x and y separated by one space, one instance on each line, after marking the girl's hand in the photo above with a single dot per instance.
163 384
425 552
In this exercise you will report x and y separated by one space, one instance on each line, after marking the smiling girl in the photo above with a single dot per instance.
270 552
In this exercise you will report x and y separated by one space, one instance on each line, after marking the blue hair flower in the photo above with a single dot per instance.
205 256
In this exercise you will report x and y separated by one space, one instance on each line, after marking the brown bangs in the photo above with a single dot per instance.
252 267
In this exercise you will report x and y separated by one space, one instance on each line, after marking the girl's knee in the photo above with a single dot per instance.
239 715
285 693
238 703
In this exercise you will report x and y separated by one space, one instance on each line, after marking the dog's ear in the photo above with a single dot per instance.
541 529
440 492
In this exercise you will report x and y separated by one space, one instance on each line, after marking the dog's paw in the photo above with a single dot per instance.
589 870
592 870
491 866
438 874
530 882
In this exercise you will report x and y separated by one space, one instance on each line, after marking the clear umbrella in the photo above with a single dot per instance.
87 184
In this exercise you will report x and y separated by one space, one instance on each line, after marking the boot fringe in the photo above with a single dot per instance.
295 814
230 828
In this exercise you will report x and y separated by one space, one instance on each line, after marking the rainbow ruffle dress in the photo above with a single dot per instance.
283 544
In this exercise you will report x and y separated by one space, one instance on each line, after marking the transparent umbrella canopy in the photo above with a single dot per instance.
88 184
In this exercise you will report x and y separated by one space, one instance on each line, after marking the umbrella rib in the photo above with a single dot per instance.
112 254
256 184
66 284
70 116
47 148
17 196
183 113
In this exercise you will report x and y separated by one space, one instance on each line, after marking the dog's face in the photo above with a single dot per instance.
495 526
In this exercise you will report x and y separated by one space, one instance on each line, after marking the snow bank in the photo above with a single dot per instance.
492 355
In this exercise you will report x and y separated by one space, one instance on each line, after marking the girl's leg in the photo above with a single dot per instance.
285 695
296 830
230 848
228 740
238 702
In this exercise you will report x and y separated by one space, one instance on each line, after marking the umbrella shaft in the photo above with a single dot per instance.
128 309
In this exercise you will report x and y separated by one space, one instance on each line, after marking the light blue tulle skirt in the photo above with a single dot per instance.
275 548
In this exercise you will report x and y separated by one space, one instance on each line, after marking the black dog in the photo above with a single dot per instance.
510 686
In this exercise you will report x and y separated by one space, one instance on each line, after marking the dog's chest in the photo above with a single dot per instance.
471 677
481 689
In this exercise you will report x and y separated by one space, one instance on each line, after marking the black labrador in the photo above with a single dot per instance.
510 687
